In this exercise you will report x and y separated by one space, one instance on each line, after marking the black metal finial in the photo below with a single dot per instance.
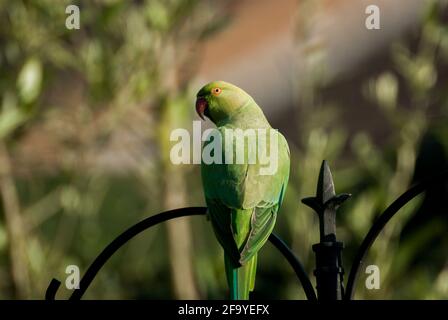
329 269
325 203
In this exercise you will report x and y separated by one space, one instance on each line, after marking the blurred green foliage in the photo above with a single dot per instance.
84 124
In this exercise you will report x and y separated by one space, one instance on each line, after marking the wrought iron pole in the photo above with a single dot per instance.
329 271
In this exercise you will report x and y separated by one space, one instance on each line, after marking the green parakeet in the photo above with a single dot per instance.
242 201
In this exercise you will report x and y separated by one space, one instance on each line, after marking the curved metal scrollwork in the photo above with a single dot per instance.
149 222
381 222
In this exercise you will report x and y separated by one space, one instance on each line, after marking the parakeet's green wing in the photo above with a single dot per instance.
231 188
220 217
265 213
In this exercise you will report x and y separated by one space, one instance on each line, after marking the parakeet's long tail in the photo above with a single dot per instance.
241 279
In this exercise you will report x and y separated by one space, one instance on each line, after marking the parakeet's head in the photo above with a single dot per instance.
219 100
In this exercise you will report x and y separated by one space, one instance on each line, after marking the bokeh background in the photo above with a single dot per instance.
85 119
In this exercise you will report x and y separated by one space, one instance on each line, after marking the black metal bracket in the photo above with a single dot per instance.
329 271
149 222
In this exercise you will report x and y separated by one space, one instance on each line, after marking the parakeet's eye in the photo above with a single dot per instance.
216 91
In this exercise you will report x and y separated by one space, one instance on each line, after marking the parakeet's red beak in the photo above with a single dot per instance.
201 107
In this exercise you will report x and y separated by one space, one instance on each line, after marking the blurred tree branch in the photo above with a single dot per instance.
15 227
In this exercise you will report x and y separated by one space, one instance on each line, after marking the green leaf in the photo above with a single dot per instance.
30 80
